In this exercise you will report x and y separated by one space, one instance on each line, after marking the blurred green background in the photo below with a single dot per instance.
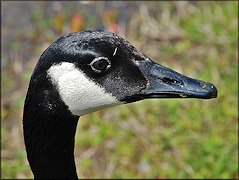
163 138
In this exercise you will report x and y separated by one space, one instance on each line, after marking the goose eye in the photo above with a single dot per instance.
100 64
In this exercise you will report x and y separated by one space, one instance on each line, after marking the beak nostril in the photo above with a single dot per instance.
170 81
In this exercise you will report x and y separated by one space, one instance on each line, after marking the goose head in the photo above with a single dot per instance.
92 70
81 73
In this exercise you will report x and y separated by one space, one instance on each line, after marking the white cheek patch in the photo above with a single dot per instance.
79 93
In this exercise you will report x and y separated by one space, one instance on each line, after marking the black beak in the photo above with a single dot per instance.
166 83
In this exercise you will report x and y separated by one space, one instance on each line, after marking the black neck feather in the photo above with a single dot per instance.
49 132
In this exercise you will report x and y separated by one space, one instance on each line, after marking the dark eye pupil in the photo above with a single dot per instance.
100 64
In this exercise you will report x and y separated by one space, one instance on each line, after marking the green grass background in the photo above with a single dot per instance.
160 138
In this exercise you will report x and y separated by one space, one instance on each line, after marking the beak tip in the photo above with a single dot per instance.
212 89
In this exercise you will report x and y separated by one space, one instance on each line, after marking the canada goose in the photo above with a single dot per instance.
83 72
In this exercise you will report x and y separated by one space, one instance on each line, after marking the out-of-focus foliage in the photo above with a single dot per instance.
176 138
